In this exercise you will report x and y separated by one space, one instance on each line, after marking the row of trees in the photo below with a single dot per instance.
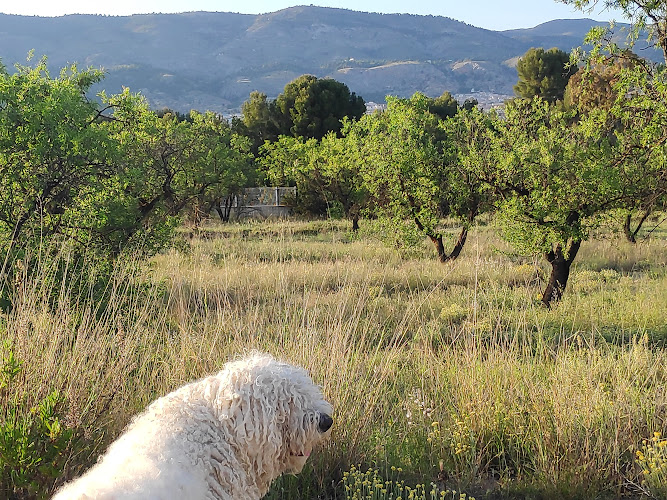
110 174
104 175
551 170
114 174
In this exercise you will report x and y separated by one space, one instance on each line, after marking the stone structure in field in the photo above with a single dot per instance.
265 202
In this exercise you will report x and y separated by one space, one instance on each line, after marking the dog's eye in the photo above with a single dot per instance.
325 422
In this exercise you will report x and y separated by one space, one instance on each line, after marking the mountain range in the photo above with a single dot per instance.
208 60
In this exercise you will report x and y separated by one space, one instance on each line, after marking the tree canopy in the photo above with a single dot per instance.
308 107
595 86
53 152
543 73
105 175
646 15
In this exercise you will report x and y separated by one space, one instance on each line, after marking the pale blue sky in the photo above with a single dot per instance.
490 14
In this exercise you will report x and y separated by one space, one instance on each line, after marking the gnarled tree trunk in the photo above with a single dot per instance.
560 271
353 213
224 207
355 223
440 247
631 234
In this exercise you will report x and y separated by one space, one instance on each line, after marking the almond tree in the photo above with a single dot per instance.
52 148
173 166
413 170
326 174
640 110
554 183
617 83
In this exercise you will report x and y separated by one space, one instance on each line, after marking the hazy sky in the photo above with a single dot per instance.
490 14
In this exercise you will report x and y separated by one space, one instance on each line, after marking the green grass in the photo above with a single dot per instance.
454 374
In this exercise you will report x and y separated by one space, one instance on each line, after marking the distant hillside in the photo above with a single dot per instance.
214 60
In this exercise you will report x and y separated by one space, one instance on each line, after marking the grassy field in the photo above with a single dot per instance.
453 374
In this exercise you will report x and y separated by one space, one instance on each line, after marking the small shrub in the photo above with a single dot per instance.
454 314
33 439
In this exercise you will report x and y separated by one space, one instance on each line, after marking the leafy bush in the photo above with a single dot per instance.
33 440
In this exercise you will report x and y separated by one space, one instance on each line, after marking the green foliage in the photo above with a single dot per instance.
650 16
470 192
417 167
326 174
308 107
555 188
33 439
543 74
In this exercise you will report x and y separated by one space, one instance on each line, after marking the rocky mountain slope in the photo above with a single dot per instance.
214 60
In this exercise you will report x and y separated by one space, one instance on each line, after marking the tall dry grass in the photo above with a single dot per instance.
454 373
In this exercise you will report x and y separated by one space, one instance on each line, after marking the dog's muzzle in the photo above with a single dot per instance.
325 422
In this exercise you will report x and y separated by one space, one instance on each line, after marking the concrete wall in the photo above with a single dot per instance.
264 203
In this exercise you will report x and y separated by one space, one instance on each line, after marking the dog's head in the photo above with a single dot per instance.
307 421
279 414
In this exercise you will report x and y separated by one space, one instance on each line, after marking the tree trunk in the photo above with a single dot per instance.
631 234
437 238
440 247
353 211
355 223
560 271
224 208
463 235
627 230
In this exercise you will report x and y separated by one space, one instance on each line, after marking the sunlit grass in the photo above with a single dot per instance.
455 374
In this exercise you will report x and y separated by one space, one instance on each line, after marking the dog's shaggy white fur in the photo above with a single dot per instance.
226 437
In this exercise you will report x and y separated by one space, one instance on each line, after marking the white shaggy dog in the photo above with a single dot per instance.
226 437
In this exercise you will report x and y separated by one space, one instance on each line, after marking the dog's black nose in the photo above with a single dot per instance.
325 422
